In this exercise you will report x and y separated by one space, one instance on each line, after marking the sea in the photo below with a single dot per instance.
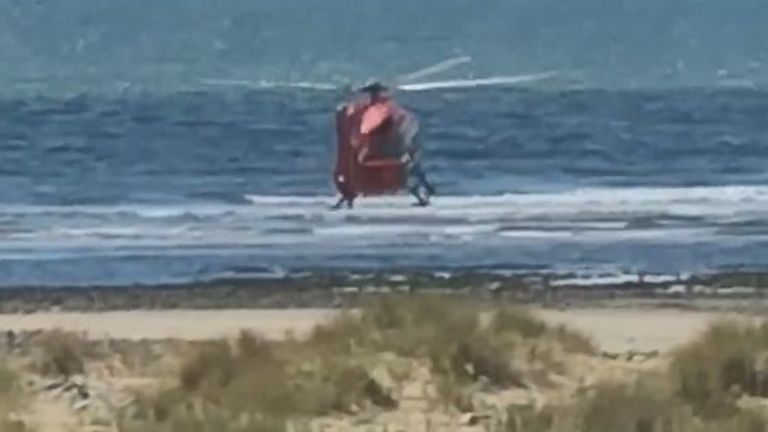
119 165
205 185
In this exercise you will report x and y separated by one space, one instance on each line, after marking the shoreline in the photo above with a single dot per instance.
733 291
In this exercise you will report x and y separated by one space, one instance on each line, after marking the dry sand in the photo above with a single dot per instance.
620 330
613 329
170 324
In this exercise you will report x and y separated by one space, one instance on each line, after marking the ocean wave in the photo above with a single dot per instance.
682 202
596 215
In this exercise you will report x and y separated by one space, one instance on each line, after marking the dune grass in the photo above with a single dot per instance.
253 384
62 354
464 340
728 361
256 384
259 385
703 390
11 400
647 405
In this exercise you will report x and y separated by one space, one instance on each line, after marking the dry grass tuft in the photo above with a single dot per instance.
648 405
255 384
62 354
11 400
728 361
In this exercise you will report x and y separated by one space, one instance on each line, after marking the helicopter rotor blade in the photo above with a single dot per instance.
480 82
269 84
434 69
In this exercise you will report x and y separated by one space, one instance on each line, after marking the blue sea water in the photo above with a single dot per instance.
55 47
119 164
208 184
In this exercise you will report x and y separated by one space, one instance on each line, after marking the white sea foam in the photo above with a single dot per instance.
671 215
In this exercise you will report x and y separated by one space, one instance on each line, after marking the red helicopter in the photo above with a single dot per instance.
377 149
377 141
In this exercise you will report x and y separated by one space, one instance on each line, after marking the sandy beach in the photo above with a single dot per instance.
86 370
116 343
170 324
616 329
